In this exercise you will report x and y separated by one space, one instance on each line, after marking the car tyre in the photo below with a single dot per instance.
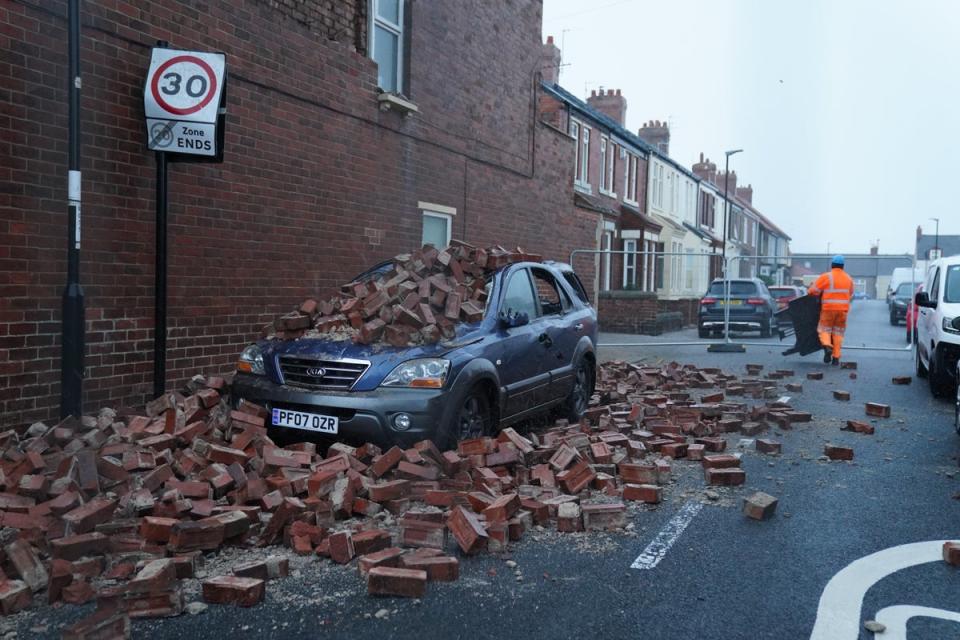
703 333
473 418
938 379
765 328
579 398
920 369
893 319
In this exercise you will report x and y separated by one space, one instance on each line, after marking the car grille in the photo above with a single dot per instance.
338 375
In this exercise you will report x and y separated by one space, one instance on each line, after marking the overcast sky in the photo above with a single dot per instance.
847 110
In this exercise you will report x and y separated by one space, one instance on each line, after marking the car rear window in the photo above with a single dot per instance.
787 292
737 288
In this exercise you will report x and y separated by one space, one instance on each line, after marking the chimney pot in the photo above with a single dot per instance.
618 91
549 39
593 93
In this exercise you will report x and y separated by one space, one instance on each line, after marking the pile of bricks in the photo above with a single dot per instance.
416 298
120 508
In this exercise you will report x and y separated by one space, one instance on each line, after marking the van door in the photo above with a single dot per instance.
928 317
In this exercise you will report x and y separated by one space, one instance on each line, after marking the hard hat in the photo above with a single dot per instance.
838 260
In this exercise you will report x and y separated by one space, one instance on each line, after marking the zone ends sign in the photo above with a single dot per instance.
182 100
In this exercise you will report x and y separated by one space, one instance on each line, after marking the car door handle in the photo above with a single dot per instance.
578 326
545 340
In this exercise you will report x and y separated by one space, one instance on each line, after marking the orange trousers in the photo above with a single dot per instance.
831 328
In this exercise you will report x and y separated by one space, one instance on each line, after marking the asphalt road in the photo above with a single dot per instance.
724 577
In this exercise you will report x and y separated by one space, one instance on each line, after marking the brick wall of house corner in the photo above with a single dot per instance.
317 182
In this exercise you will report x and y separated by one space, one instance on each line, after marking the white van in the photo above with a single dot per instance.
938 326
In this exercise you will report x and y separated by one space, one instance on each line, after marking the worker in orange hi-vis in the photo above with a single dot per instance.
835 289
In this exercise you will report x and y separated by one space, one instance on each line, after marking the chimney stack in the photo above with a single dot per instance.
874 250
550 62
705 170
657 135
919 232
731 185
610 103
746 193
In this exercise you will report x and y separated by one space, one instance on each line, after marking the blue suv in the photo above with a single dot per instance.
534 350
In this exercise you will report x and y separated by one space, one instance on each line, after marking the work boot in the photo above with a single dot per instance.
835 362
827 355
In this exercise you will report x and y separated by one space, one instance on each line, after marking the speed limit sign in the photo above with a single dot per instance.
182 99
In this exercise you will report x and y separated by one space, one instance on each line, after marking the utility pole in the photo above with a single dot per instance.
73 316
936 238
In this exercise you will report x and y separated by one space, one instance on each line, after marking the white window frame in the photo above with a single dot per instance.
396 29
611 168
443 216
630 178
629 263
604 143
583 175
575 126
606 241
676 247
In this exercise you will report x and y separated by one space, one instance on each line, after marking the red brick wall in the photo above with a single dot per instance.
626 311
317 181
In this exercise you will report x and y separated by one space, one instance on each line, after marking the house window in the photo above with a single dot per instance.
689 270
436 229
575 134
658 186
386 43
604 143
650 274
584 173
630 179
611 165
630 264
676 248
606 246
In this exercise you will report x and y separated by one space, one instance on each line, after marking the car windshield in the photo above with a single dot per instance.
782 292
951 292
737 288
905 290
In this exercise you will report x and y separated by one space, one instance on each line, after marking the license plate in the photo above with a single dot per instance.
306 421
732 302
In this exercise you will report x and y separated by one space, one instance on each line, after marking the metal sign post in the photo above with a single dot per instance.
73 318
184 106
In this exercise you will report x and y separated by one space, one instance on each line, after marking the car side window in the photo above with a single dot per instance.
576 285
935 286
518 297
553 300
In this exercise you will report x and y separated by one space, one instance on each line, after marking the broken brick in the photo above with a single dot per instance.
759 506
243 592
394 581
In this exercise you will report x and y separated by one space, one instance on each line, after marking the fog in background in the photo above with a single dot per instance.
847 111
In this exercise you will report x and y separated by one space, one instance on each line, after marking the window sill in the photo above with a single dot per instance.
583 187
392 101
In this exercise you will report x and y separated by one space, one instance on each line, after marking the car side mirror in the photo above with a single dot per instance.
513 319
922 299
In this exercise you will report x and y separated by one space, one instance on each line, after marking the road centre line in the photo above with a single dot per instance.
659 546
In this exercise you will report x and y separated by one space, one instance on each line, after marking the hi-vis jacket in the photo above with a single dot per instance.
835 288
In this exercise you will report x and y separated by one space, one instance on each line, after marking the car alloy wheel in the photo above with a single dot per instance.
580 394
473 419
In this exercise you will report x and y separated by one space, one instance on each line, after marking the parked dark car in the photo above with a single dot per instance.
752 308
785 293
534 350
900 302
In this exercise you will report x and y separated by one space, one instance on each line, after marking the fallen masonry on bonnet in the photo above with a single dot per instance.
120 508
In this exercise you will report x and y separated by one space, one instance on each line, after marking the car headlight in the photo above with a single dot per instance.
949 326
251 361
428 373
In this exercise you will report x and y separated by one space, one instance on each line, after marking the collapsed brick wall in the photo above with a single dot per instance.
317 184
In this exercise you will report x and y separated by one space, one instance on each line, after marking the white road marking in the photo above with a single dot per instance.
838 615
895 618
659 546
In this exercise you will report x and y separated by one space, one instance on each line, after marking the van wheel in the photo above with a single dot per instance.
576 403
939 381
703 333
921 370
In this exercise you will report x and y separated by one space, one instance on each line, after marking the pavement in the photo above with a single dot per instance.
721 576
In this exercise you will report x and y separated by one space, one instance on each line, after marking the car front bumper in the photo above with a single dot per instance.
364 416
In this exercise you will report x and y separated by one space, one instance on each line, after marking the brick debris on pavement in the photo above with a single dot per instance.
120 508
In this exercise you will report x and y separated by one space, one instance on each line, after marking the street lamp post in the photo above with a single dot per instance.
936 238
726 206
